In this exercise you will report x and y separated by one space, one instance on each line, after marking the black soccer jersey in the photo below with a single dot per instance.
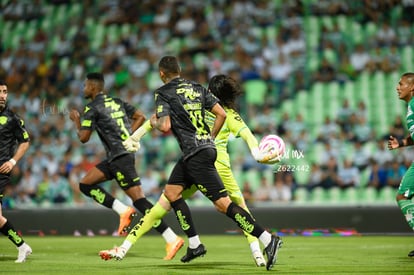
110 118
185 102
12 133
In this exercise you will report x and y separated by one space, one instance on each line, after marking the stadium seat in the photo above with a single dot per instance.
253 177
343 22
364 178
174 45
370 30
301 175
170 145
350 195
387 195
255 91
357 33
318 196
335 195
369 195
271 32
327 21
153 80
301 195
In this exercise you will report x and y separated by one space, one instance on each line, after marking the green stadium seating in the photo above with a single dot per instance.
255 91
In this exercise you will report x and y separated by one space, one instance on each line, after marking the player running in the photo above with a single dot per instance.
110 118
14 143
198 163
405 193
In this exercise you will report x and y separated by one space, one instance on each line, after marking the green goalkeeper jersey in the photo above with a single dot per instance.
235 125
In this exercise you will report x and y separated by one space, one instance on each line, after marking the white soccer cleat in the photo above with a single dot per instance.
259 258
117 253
24 251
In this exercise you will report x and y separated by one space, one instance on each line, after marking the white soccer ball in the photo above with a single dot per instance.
273 143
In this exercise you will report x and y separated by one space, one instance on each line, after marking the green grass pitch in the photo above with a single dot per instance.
226 254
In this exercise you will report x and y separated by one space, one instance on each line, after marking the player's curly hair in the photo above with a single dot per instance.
226 89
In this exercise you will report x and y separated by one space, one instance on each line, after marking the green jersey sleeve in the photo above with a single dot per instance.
410 118
239 128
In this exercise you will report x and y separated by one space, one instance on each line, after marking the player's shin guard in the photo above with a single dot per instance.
146 223
407 208
183 214
239 200
12 234
97 193
144 206
244 220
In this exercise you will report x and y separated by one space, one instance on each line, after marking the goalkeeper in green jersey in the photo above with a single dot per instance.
405 193
226 90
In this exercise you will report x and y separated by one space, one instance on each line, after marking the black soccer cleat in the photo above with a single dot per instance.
411 254
193 253
271 251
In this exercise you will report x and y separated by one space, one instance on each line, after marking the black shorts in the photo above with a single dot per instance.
4 181
199 169
122 169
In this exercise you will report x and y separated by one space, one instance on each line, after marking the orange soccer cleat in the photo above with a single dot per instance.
172 248
125 220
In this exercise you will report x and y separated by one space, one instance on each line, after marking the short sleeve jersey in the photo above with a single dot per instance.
186 103
12 133
110 118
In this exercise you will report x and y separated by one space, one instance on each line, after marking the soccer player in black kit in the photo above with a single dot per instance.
14 142
180 107
110 117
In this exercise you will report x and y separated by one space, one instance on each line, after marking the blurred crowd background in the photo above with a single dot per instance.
319 73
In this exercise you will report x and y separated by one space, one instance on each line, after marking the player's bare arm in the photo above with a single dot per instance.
163 123
220 114
394 143
138 118
8 165
83 135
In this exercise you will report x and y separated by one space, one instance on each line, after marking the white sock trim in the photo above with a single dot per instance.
265 238
255 246
169 235
119 207
194 242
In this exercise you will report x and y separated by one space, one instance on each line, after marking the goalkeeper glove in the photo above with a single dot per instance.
131 145
267 157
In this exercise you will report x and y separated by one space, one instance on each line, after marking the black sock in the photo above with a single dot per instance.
144 205
12 234
183 214
98 194
244 220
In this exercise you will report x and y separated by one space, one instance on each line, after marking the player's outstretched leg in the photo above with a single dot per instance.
237 198
24 249
247 223
196 248
152 217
